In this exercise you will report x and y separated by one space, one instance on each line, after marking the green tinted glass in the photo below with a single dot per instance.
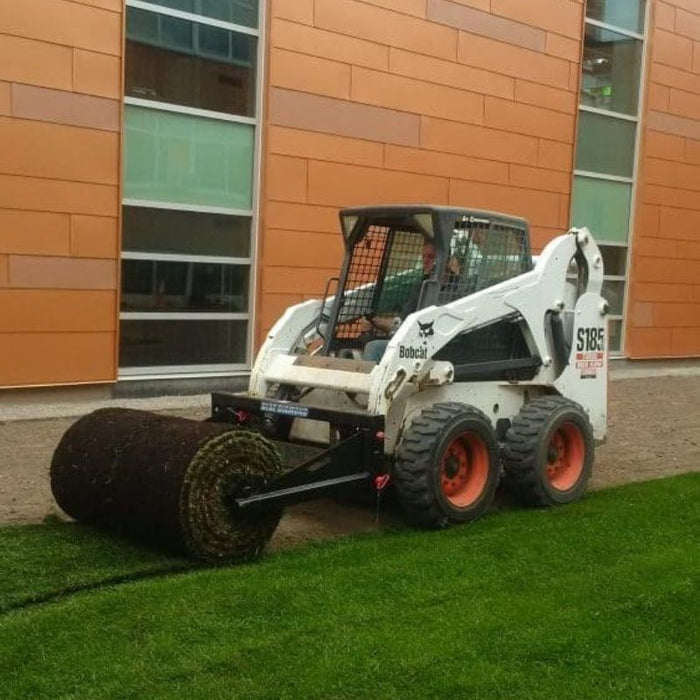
626 14
605 144
188 160
603 206
610 70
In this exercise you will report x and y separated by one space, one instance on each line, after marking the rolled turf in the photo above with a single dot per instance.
161 480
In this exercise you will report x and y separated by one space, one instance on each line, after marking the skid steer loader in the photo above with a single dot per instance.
488 365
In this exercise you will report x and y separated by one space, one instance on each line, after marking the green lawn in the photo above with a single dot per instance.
595 600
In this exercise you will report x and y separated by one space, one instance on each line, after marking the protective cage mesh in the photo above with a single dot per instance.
483 254
385 271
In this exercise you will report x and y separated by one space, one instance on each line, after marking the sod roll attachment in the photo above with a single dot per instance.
162 480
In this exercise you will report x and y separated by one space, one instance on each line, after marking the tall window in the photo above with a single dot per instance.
606 152
189 162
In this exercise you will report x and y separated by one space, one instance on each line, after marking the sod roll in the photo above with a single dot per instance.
161 480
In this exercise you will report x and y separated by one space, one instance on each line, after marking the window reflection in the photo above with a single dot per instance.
186 63
148 230
611 65
614 293
614 259
244 12
171 343
158 285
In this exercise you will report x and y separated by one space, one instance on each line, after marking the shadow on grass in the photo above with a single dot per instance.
46 562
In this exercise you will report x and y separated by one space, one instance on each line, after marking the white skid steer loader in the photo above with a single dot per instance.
444 360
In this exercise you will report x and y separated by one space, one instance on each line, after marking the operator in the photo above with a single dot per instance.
386 325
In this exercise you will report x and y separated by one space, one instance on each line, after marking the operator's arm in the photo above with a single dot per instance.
384 325
387 325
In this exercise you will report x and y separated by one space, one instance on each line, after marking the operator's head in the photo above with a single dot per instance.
428 257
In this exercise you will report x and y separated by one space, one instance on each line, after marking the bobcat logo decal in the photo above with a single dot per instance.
426 329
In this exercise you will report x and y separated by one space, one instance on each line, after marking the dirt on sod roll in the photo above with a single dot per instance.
161 480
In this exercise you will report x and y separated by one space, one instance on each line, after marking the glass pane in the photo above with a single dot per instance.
195 65
171 343
603 206
160 285
614 259
184 232
614 336
137 278
192 160
614 293
611 65
605 144
626 14
243 12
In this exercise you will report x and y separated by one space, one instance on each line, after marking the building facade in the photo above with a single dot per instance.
171 170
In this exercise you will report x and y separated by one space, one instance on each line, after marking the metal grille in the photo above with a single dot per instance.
385 272
482 254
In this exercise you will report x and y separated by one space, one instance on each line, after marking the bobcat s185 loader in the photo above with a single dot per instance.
484 365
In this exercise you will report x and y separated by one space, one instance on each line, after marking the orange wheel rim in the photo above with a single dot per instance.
464 469
565 456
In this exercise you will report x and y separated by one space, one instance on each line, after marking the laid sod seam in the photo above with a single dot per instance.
108 582
41 563
594 600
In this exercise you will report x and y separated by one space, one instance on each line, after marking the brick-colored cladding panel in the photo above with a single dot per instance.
664 300
460 102
60 126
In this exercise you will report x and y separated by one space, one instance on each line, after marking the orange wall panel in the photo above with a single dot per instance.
318 42
291 249
56 311
301 11
3 270
450 73
5 98
665 259
42 194
34 233
37 359
94 236
463 102
60 126
58 152
35 63
64 22
307 144
97 74
309 74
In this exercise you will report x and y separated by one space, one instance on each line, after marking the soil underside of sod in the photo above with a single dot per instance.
597 599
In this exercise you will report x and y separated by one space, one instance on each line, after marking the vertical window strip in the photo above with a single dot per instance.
618 321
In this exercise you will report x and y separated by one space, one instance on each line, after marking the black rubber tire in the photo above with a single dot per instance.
419 458
526 451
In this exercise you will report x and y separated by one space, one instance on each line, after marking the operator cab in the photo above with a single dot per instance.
384 274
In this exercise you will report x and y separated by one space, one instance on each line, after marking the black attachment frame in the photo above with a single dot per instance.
329 472
351 462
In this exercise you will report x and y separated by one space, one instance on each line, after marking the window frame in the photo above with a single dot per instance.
634 179
224 369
